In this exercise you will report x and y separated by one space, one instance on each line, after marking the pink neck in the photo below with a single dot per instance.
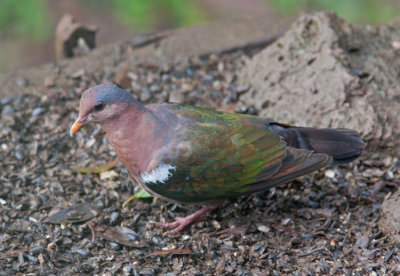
131 137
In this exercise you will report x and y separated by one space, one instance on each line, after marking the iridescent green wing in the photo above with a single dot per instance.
215 155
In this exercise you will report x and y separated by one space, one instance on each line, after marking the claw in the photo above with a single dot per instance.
181 222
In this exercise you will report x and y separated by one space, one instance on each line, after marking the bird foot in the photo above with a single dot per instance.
181 222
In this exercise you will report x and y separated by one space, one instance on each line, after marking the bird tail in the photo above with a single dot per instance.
343 145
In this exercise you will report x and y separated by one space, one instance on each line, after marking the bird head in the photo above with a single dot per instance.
101 103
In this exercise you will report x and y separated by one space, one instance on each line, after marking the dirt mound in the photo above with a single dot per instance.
326 72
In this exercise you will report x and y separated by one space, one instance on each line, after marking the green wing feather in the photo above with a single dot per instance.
217 155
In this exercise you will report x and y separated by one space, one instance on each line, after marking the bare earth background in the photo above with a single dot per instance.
321 72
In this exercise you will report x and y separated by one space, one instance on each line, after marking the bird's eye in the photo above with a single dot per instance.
99 106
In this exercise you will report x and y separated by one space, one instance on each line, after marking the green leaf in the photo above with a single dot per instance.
98 168
139 194
142 194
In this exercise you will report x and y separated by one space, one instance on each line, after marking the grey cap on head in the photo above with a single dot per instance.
109 93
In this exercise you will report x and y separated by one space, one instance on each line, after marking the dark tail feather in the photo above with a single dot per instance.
343 145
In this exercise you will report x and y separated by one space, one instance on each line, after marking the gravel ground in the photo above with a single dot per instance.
323 223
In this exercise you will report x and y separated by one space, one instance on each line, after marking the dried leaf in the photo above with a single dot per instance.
233 230
74 214
121 235
292 232
98 168
171 252
111 174
12 253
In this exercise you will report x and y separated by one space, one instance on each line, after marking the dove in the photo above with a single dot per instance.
192 155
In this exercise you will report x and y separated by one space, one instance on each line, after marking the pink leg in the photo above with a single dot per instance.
180 223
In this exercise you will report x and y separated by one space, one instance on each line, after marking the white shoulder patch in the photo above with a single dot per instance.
159 174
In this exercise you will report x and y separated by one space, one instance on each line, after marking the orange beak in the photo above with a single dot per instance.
77 125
